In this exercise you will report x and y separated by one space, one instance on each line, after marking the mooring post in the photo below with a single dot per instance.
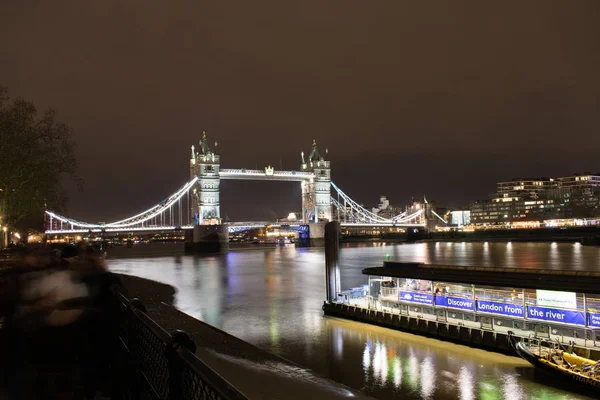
332 258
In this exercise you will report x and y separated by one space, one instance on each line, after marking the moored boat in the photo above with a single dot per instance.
561 364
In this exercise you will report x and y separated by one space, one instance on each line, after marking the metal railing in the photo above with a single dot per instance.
160 365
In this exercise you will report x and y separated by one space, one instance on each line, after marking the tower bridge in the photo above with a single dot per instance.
196 206
314 176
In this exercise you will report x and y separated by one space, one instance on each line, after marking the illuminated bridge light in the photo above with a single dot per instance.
160 217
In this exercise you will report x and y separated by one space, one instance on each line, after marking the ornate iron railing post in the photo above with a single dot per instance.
177 340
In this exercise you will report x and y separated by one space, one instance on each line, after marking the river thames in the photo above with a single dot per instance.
272 298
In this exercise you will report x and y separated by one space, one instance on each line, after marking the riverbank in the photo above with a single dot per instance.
255 372
583 235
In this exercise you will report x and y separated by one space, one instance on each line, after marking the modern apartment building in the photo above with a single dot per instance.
528 185
535 202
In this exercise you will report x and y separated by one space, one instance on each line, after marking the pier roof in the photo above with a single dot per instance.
527 278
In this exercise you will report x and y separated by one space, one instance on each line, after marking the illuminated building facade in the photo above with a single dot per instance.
460 218
386 210
536 202
205 165
205 168
316 192
525 185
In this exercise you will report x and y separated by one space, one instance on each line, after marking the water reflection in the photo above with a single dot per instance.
511 388
427 378
412 371
397 373
272 298
466 384
422 252
380 363
509 255
577 255
367 358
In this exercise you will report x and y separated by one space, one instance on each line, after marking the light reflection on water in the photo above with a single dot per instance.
272 298
466 383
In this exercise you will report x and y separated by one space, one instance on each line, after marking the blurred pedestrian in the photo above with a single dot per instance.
60 318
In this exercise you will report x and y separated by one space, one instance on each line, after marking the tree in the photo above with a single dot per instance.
36 153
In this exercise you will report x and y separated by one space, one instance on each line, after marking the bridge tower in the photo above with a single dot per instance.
205 165
316 193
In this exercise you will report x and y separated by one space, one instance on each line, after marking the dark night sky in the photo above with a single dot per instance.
442 98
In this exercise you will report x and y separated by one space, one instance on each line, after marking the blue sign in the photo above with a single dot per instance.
454 302
492 307
421 298
594 320
556 315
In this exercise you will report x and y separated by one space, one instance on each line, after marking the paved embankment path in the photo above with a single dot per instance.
255 372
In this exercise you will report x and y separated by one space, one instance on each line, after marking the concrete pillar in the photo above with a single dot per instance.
207 239
317 234
332 257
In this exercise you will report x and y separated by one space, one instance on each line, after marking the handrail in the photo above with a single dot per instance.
201 369
165 363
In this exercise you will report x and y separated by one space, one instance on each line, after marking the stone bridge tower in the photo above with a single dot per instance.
316 193
205 165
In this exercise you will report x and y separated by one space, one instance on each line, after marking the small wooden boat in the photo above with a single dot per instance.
562 364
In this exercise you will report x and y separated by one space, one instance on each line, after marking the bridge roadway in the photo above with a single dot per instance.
232 227
257 174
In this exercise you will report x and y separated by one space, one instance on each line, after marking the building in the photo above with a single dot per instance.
383 205
580 181
316 193
386 210
537 202
460 218
525 185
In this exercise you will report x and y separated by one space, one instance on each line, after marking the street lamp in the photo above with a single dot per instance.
5 236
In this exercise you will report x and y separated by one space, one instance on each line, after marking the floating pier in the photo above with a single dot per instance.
474 306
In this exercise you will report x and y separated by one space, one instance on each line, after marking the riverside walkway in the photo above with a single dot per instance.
147 355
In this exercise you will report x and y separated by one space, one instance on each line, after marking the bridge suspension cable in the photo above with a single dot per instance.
440 218
156 212
362 213
359 214
410 217
399 216
176 211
